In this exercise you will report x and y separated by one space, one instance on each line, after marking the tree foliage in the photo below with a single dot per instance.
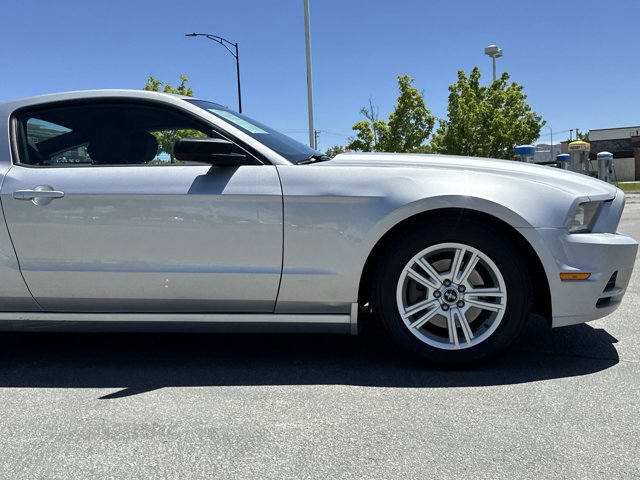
582 136
155 85
333 151
486 121
409 125
168 138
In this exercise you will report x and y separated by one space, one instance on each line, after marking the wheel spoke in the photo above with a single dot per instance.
485 292
451 326
424 319
418 307
492 307
456 264
476 298
432 272
471 264
466 328
411 273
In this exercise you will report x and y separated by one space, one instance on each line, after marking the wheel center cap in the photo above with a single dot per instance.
450 296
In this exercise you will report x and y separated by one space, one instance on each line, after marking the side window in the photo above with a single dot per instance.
103 134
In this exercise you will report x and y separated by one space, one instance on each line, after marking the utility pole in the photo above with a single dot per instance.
316 134
307 36
551 148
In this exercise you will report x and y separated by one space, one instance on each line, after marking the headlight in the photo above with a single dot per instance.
584 217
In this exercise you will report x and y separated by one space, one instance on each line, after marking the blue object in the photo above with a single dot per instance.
524 150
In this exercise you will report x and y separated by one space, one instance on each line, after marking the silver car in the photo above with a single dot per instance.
132 209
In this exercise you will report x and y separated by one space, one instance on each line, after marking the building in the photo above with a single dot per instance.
624 143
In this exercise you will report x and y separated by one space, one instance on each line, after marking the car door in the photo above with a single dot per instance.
104 223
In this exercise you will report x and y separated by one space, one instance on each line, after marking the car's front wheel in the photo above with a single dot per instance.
453 293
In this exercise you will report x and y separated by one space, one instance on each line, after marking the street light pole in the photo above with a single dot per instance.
494 52
235 52
238 77
307 37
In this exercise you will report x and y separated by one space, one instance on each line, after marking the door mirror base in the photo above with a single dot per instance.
213 151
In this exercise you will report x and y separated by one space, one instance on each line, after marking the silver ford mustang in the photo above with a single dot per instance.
131 209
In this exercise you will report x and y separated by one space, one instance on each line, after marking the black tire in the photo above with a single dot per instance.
499 262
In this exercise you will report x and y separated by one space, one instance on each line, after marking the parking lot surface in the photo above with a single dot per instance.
563 403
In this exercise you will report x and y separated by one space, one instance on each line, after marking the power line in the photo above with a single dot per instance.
336 133
300 130
554 133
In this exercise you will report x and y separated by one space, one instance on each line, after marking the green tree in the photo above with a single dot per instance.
155 85
582 136
486 121
333 151
168 138
365 140
409 125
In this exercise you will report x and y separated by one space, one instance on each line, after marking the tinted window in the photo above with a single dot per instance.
289 148
103 134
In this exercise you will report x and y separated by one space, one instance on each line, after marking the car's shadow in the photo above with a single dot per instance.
137 363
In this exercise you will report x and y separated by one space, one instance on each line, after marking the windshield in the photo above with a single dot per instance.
289 148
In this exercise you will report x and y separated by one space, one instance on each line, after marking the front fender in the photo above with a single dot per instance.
334 217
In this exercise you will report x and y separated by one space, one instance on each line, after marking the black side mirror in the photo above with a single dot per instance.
214 151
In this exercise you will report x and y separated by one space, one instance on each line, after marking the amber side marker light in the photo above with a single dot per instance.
575 276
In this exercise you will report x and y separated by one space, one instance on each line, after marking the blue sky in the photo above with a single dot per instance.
576 59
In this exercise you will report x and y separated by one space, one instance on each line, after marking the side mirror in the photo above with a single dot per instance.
214 151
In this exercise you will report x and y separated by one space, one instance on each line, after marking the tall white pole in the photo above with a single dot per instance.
307 35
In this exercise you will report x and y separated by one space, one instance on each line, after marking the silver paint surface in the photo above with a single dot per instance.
276 238
143 239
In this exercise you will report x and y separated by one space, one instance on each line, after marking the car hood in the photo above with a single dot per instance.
570 182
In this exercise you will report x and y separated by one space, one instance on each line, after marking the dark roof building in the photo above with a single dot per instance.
624 143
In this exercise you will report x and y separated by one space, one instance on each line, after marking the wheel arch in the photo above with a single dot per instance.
541 293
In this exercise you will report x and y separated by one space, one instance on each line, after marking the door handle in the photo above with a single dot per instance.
40 195
31 194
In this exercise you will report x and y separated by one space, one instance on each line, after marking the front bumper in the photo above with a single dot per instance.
609 257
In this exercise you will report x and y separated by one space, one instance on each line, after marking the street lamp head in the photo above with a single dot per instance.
232 48
493 51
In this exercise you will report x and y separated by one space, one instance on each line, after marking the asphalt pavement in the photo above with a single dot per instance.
562 404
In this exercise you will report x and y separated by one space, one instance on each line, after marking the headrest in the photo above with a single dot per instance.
117 146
